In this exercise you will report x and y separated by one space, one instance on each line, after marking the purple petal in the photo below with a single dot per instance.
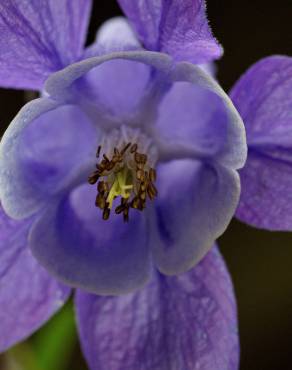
179 28
196 114
28 295
195 204
115 34
115 81
45 149
39 37
83 250
263 97
137 81
178 323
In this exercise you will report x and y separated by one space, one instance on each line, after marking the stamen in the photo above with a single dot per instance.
98 151
134 147
106 214
123 173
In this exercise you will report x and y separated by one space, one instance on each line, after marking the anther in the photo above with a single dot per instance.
92 179
125 148
136 203
143 186
100 201
106 159
133 149
100 167
151 191
120 209
126 214
140 175
98 151
152 175
110 166
106 214
102 187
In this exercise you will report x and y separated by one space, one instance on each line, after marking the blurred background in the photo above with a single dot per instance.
260 262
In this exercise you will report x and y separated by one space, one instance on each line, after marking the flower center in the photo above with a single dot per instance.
126 171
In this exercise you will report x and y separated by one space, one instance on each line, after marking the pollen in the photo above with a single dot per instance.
124 179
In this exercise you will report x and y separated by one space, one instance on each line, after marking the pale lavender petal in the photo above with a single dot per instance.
179 28
263 97
197 115
195 204
115 34
39 37
114 85
83 250
112 82
186 322
28 295
47 147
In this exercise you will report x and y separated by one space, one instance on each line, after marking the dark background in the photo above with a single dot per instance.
259 261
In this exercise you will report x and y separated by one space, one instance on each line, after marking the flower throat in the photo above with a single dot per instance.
126 173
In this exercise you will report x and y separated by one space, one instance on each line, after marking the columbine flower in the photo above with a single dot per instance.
263 96
125 169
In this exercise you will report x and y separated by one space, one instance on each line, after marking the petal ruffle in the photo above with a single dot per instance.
263 97
28 295
45 149
195 204
174 323
83 250
196 115
39 37
113 86
179 28
134 84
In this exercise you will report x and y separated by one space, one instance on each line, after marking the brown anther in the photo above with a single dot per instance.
143 186
140 166
105 158
124 201
92 179
125 148
143 158
102 187
137 157
100 167
142 195
126 214
98 151
151 195
106 213
133 149
140 175
120 209
152 175
110 166
136 203
153 188
151 191
140 158
100 201
115 159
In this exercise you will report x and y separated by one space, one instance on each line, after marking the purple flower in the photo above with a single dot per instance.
78 183
263 97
